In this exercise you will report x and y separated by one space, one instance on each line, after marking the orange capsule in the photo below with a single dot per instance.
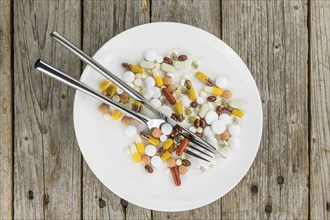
176 175
170 98
182 147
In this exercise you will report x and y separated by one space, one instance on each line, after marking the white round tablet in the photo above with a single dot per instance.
128 76
119 91
208 131
156 161
165 110
157 92
159 59
200 100
166 128
138 82
221 81
163 138
233 142
156 102
149 82
234 130
130 130
218 126
185 101
150 55
210 117
225 117
150 150
147 93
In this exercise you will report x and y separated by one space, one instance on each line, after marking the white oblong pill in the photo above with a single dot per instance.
147 93
159 59
149 82
221 81
185 101
180 64
218 126
210 117
128 76
156 161
150 150
119 91
167 68
157 92
200 100
208 131
235 103
146 64
138 82
163 138
234 130
156 102
165 110
130 130
233 142
203 110
225 118
150 55
166 128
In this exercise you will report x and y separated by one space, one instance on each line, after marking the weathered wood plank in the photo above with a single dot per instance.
47 176
320 109
6 120
111 17
206 15
272 39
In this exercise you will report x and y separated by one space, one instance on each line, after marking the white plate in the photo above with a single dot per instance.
103 142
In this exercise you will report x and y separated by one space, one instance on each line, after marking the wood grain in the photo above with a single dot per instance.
272 39
320 109
103 20
206 15
6 142
47 159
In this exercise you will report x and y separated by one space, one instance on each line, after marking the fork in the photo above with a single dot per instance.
66 79
206 146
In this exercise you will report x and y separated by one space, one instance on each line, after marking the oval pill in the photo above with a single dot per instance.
156 92
150 150
200 100
182 147
218 126
176 176
170 98
167 68
147 93
210 117
156 161
147 64
128 76
203 110
149 82
150 55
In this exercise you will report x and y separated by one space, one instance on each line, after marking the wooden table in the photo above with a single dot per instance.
285 44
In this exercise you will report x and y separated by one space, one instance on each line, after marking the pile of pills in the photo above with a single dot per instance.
210 113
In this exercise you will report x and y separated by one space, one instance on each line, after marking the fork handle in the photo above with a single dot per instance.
71 82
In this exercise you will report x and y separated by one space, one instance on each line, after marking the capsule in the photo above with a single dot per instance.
175 132
176 175
134 68
170 98
135 154
157 77
168 143
213 90
139 144
190 90
235 112
204 78
150 139
179 111
182 147
104 85
203 110
137 105
166 155
112 90
116 114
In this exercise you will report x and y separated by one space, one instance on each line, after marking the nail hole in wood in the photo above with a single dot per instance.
168 216
30 195
63 96
296 7
268 208
254 188
314 140
26 138
123 203
46 199
280 180
102 203
328 206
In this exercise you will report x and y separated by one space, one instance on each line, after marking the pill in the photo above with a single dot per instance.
104 85
211 98
156 92
166 128
225 135
156 161
116 114
224 150
213 90
221 81
116 98
126 120
104 108
225 118
185 101
130 130
210 117
171 88
163 138
182 57
149 82
178 162
170 98
146 160
157 66
202 93
234 130
204 78
170 162
149 138
124 97
119 91
200 100
135 154
156 102
167 68
176 176
147 64
199 130
128 76
190 90
159 59
238 104
226 94
147 92
182 147
233 142
150 55
203 110
156 132
148 168
218 126
193 129
138 82
165 110
167 80
208 131
150 150
158 79
180 64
